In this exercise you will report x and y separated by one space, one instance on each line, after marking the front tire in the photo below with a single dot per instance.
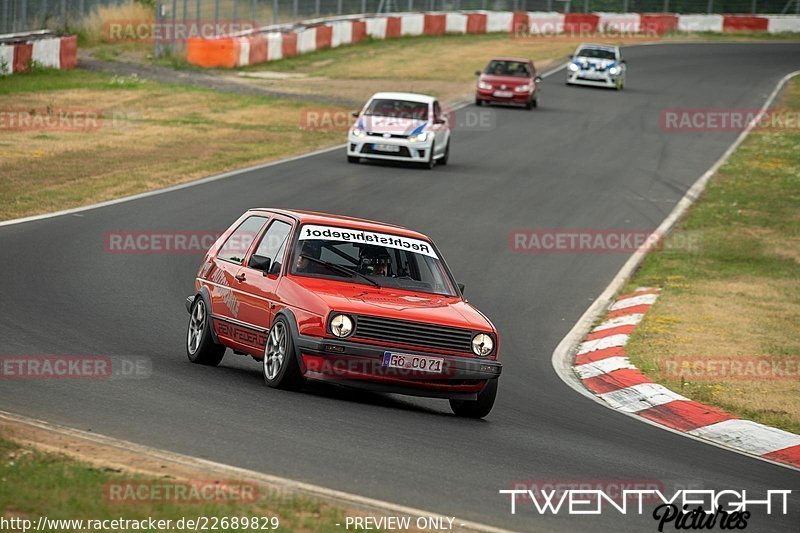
477 408
279 366
353 159
446 157
432 162
200 345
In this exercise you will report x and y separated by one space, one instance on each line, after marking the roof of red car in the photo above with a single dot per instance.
341 220
520 59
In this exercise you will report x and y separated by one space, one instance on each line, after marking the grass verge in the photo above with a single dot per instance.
38 484
736 298
150 135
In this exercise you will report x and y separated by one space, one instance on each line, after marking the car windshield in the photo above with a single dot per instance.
382 107
508 68
596 53
366 257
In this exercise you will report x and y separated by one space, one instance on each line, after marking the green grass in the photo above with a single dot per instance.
37 484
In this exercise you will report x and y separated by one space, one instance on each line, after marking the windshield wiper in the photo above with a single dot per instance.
340 269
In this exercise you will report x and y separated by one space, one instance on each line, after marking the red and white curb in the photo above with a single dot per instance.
602 365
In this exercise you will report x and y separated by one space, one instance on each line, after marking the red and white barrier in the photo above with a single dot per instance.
603 366
618 22
329 33
20 51
545 23
693 23
783 23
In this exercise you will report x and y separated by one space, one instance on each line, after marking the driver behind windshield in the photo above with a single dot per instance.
375 261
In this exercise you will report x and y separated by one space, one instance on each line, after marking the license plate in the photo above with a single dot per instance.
593 75
503 94
386 147
420 363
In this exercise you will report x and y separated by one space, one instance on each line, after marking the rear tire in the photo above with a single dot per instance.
279 366
477 408
200 345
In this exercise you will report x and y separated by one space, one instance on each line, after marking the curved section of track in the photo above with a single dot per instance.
587 159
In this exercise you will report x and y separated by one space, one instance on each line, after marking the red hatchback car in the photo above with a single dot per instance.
345 300
508 80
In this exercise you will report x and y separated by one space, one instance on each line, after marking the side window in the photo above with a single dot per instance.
273 244
437 110
237 244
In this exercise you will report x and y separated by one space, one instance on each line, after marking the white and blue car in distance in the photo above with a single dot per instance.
405 127
598 65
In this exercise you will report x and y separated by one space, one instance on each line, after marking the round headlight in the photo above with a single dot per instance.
342 325
482 344
572 67
358 132
419 137
613 70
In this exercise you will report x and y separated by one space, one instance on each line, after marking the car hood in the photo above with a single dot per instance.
511 81
391 125
360 299
587 62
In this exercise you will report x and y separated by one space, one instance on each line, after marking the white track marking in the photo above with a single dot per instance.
603 366
625 320
747 436
639 397
612 341
644 299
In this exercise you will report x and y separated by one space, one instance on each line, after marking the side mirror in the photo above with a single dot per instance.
623 62
259 262
572 56
355 114
461 287
538 79
477 72
275 269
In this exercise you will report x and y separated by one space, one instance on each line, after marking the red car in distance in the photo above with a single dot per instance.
360 303
508 80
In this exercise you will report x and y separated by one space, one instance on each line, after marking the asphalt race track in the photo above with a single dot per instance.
587 159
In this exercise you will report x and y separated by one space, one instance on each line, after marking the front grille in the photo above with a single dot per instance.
391 135
413 333
367 149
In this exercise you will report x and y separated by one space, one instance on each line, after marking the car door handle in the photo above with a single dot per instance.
239 277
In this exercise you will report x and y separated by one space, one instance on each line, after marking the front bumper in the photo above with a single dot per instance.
415 152
360 365
595 79
488 95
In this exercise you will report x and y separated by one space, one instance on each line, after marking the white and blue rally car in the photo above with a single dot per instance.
404 127
599 65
